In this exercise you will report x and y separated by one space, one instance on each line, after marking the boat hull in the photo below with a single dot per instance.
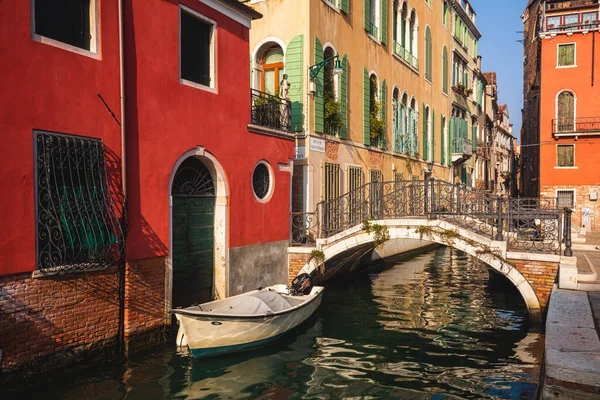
208 336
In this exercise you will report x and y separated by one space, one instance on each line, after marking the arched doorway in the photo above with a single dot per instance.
193 194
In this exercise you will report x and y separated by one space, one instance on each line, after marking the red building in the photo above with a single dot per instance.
135 181
569 116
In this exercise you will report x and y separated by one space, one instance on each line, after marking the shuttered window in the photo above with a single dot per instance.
428 55
565 155
445 69
566 112
196 48
566 54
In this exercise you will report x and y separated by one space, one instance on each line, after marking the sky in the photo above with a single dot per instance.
500 25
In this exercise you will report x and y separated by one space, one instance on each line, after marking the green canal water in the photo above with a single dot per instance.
435 326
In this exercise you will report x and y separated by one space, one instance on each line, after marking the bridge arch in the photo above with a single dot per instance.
492 253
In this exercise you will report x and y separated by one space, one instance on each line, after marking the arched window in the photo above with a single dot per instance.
427 134
396 121
332 115
272 70
445 69
374 111
412 46
565 111
428 54
404 23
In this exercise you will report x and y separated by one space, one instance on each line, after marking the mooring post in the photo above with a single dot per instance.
499 235
568 251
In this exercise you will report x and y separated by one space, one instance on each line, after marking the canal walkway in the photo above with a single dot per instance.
572 356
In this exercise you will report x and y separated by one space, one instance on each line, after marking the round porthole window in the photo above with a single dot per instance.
262 181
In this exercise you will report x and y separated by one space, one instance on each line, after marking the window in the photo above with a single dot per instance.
197 48
355 196
445 14
77 226
72 22
566 55
332 115
566 112
272 70
262 184
428 55
374 18
565 198
565 155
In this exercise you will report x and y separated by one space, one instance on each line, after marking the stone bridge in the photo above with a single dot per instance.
526 240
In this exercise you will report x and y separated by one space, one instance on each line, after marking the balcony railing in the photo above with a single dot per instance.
577 126
271 111
462 146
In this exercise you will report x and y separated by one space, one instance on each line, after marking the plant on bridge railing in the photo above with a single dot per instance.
380 233
319 257
448 237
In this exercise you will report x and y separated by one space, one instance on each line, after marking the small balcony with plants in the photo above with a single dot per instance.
462 90
272 112
462 149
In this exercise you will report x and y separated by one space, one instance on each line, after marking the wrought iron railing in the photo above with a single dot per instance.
462 146
577 125
532 225
271 111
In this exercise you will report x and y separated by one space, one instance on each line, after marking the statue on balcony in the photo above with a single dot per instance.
284 88
285 108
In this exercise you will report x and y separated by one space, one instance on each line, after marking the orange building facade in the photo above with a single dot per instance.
569 111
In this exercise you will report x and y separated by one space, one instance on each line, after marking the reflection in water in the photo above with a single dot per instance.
435 326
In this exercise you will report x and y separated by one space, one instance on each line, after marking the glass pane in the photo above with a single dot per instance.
571 20
270 81
274 56
588 18
552 23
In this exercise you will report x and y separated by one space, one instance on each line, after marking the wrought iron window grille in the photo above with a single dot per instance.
77 224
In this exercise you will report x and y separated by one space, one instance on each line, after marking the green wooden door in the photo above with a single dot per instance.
193 234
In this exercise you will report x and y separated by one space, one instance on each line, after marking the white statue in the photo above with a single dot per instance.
285 108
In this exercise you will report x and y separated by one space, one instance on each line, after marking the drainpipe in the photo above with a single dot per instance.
121 273
593 54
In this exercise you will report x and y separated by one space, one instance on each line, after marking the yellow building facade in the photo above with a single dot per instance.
387 116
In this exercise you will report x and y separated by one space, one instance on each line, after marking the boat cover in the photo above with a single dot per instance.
259 303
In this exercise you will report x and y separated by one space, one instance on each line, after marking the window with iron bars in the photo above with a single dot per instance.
77 223
376 193
355 195
565 198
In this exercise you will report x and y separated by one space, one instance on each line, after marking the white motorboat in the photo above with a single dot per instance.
244 321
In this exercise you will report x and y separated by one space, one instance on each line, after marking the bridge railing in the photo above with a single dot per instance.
527 224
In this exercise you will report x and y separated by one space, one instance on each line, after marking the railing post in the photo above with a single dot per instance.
433 207
381 213
499 235
425 198
568 251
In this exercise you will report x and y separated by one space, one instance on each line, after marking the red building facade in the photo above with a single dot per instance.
569 116
138 183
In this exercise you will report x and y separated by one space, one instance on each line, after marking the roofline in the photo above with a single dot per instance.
461 11
234 9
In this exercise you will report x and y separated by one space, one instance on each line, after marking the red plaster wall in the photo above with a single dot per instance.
578 80
47 88
167 118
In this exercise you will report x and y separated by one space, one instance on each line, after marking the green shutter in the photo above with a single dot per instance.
344 6
384 21
295 72
319 103
428 60
368 15
367 108
432 135
445 69
424 135
383 140
449 147
442 141
344 98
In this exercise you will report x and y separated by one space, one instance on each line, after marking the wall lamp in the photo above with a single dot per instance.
315 69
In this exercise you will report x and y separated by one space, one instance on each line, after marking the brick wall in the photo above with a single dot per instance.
42 316
296 262
541 276
530 131
144 299
582 200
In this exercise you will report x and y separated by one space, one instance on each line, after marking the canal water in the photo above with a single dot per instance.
434 326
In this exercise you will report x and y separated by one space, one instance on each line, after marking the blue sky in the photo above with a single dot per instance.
499 23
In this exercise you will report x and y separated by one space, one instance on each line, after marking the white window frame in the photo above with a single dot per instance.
333 4
93 52
336 78
269 195
574 166
377 20
574 65
213 75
